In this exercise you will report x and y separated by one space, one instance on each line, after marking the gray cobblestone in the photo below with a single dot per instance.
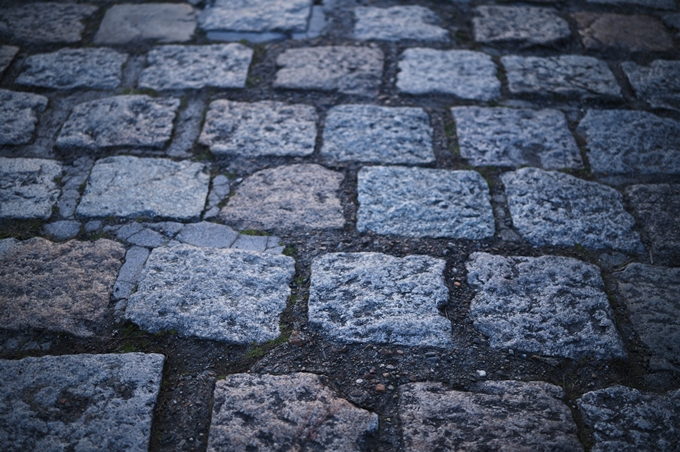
155 22
207 234
19 116
659 4
398 23
621 32
658 83
129 272
521 25
7 54
28 188
62 230
44 23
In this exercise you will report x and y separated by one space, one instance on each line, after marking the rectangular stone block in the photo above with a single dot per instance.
273 17
398 23
635 33
658 84
45 23
28 187
519 25
19 116
156 22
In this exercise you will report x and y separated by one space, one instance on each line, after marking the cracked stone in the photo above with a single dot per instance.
251 242
398 23
211 235
658 83
62 230
130 271
28 187
148 238
629 33
156 22
19 115
7 54
45 23
520 25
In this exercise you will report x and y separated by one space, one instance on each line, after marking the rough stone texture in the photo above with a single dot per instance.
672 21
350 70
62 230
552 208
379 299
647 144
28 188
19 115
159 22
196 67
131 187
287 198
294 412
498 415
240 302
463 73
567 75
257 16
74 68
423 202
130 271
627 420
398 23
369 133
260 128
514 137
551 305
519 25
62 287
74 176
7 54
658 83
629 33
43 23
79 402
206 234
657 4
652 295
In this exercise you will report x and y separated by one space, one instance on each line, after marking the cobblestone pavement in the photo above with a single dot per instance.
370 225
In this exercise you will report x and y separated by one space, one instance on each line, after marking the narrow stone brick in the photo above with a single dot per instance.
155 22
398 23
658 83
628 33
525 26
45 23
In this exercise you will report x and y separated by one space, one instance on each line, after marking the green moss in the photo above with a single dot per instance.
254 232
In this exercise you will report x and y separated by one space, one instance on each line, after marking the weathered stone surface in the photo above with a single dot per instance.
657 208
63 287
552 208
463 73
62 230
627 420
498 415
350 70
287 198
7 54
379 299
567 75
240 302
260 128
19 115
28 188
43 23
648 144
629 33
551 305
251 242
207 234
159 22
398 23
514 137
658 83
423 202
74 68
130 271
79 402
131 187
369 133
257 16
295 412
146 237
521 25
657 4
196 67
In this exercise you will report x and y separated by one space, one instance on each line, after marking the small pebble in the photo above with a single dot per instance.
380 388
359 381
481 373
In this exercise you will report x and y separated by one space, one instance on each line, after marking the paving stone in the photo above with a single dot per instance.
626 420
128 230
62 230
519 25
657 4
196 67
28 187
251 242
241 302
6 245
19 115
648 144
259 129
369 133
463 73
379 299
295 412
211 235
287 198
629 33
147 237
550 305
7 54
658 83
398 23
74 68
423 202
44 23
349 70
79 402
75 175
130 271
515 137
498 415
156 22
60 287
566 75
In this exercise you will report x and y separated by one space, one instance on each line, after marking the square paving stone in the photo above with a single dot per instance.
259 129
159 22
196 67
647 144
423 202
497 415
19 115
74 68
657 4
519 25
658 83
135 120
61 287
79 402
133 187
379 299
566 75
463 73
44 23
369 133
549 208
349 70
514 137
398 23
220 294
616 31
7 54
28 187
550 305
287 198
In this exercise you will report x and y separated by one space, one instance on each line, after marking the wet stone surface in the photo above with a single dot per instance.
19 116
155 22
658 83
398 23
521 25
28 187
7 54
45 22
629 33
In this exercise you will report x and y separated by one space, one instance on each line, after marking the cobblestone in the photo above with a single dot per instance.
629 33
129 273
62 230
660 4
521 25
658 83
7 54
398 23
155 22
206 234
54 23
28 187
19 116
